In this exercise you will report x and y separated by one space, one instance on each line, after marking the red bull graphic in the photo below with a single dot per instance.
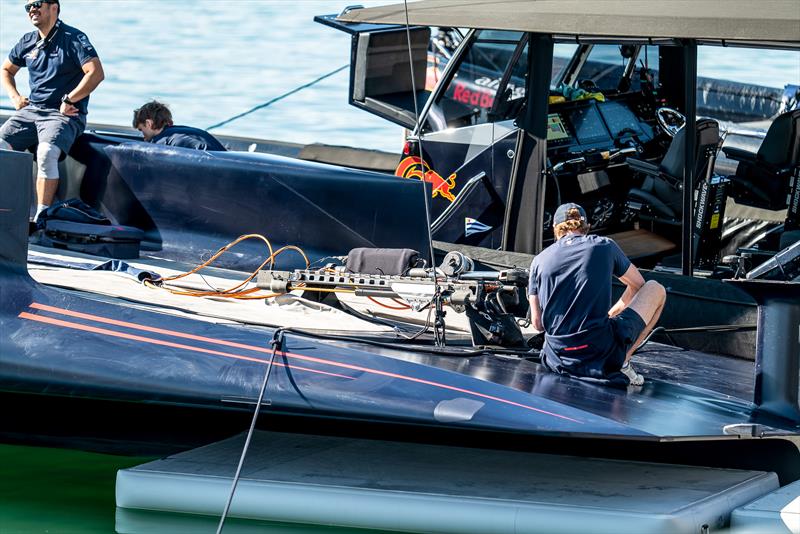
475 97
414 167
481 91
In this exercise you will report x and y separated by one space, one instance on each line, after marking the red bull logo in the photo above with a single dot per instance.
414 167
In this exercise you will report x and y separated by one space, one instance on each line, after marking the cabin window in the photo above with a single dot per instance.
605 66
729 89
562 53
512 96
471 97
646 68
470 93
750 92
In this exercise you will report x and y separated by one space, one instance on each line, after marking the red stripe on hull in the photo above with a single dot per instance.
174 333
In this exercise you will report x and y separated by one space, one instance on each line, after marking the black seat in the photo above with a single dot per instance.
661 193
762 179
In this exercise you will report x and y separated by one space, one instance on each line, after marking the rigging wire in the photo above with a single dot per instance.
393 345
277 344
422 330
439 320
277 98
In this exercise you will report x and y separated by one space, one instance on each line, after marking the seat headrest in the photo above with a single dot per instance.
781 145
707 136
707 133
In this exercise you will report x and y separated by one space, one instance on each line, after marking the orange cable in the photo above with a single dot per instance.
403 307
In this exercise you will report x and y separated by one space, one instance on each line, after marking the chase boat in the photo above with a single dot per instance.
366 331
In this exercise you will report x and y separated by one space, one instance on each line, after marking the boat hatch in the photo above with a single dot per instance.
380 80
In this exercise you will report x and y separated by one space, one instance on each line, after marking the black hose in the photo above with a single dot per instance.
694 329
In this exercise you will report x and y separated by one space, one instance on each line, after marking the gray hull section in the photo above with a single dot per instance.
428 488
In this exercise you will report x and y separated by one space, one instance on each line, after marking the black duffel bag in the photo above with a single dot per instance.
389 261
72 210
75 225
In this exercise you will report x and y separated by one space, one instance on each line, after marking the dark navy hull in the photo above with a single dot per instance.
60 344
191 202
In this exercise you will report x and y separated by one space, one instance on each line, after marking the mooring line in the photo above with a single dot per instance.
281 97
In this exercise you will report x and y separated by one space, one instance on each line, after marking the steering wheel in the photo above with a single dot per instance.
670 120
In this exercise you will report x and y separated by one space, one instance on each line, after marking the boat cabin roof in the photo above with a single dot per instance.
774 23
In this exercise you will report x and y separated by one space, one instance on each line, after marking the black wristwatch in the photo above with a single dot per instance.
65 99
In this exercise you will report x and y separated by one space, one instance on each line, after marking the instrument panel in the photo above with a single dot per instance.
589 124
581 138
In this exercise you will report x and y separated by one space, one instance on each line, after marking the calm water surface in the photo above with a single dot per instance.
52 490
60 491
211 60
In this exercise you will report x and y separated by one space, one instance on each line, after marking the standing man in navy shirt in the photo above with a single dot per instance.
154 120
570 296
63 69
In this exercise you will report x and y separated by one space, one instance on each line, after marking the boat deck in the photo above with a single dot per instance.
76 271
726 375
723 374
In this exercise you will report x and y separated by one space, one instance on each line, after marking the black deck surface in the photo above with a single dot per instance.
731 376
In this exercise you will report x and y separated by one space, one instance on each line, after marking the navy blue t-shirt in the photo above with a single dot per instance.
572 278
54 65
187 137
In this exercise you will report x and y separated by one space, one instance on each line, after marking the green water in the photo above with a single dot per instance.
57 490
44 490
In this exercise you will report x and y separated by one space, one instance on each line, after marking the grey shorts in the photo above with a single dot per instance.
32 125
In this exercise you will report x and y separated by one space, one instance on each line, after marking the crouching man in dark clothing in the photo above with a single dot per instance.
154 120
570 297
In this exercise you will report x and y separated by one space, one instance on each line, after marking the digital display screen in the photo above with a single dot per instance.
555 128
588 125
620 120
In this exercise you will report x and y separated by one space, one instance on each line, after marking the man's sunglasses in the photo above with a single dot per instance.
37 5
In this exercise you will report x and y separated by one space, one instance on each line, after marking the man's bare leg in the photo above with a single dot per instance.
648 303
46 189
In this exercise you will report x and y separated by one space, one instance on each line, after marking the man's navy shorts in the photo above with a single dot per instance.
627 327
32 125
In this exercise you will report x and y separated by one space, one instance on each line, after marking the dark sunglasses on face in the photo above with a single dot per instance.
36 5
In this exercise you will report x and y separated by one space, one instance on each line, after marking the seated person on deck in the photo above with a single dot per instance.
154 120
570 297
